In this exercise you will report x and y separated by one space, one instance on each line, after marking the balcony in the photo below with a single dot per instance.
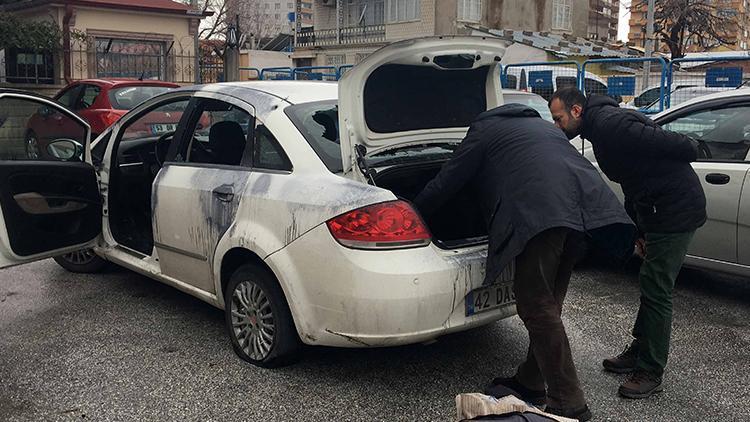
366 34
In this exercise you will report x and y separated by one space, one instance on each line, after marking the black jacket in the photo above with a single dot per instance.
529 179
662 192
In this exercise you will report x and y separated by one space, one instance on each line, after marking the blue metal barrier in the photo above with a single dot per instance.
343 69
277 73
542 78
625 85
316 73
690 77
251 71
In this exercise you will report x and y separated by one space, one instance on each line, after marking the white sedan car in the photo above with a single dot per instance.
283 203
722 122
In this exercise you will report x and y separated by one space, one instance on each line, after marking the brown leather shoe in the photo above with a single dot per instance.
624 363
641 385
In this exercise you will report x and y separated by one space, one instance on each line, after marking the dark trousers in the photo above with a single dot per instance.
665 254
542 276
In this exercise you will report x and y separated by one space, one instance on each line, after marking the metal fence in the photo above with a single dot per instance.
542 78
316 73
110 58
693 77
637 82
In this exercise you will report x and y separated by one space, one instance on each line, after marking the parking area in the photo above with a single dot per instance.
118 346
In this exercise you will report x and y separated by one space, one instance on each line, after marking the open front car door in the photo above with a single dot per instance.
49 193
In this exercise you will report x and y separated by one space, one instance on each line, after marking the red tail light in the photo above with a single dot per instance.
387 225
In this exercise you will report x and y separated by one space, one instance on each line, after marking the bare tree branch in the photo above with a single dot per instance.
677 23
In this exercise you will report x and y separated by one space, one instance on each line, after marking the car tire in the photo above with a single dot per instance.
254 302
31 146
83 261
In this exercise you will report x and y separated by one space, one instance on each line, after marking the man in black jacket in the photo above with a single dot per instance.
538 196
665 198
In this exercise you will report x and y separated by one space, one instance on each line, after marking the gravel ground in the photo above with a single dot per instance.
117 346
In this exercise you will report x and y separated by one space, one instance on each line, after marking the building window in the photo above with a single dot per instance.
364 12
403 10
470 10
120 58
561 15
27 66
335 59
277 6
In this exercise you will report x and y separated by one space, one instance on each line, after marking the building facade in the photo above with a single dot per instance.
604 18
735 12
346 31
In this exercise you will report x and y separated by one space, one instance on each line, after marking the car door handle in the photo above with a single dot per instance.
717 178
224 193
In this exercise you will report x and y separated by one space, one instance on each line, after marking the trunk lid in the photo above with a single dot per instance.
417 91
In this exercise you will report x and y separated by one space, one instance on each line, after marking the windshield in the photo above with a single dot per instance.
128 97
534 101
319 124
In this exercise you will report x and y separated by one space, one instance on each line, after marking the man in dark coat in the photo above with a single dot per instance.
538 197
665 198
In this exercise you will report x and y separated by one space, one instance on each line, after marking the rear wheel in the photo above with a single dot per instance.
82 261
258 319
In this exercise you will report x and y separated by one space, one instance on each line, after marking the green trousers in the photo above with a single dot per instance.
665 254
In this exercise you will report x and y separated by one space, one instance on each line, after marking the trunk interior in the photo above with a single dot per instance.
458 224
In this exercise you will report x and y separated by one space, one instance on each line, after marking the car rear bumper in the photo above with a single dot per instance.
363 298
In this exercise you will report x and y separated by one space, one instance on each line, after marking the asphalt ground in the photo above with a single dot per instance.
117 347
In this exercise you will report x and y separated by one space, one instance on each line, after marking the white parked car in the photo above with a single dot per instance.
284 203
722 122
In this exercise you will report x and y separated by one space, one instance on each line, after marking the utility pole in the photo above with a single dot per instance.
232 52
649 42
196 44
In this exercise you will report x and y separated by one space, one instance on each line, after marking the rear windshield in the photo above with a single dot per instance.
533 101
128 97
319 124
399 98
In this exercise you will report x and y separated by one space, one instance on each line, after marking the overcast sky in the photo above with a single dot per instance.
622 34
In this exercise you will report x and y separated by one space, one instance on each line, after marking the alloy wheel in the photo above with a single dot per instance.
252 320
82 257
32 147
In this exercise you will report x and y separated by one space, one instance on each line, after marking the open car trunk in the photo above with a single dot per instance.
459 223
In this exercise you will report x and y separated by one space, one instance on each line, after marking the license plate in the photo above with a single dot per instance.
491 297
160 128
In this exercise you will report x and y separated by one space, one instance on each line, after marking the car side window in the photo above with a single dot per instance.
220 136
34 130
267 153
724 132
87 98
70 96
156 122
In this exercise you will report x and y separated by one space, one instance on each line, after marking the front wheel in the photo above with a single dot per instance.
83 261
258 319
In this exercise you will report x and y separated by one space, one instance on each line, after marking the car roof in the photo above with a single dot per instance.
113 82
723 95
293 92
519 92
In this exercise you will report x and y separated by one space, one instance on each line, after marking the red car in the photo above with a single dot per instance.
100 102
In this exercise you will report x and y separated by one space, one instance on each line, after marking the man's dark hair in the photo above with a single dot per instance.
569 96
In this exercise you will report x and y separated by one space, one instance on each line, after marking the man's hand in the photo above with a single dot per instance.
640 248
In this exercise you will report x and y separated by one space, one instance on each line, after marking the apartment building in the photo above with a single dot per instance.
736 13
604 17
346 31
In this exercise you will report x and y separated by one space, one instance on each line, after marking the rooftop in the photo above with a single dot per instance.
563 46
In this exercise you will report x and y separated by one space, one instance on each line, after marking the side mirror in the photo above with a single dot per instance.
65 150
